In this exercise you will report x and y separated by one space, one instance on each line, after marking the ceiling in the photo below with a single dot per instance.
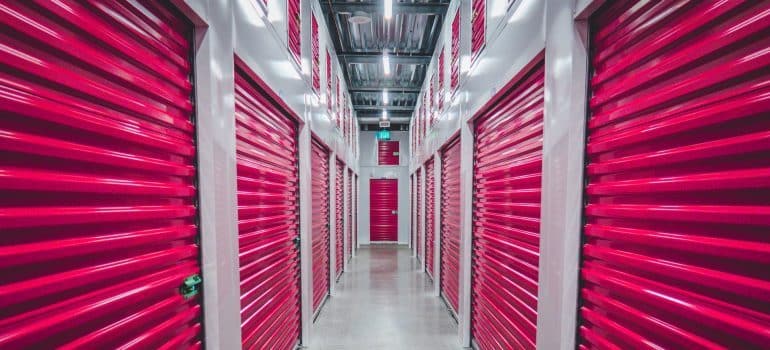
409 37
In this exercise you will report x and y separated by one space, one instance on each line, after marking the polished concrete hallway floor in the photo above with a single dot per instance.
384 302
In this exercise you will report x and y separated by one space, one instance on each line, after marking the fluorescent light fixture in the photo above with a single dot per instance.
384 115
388 9
386 63
385 97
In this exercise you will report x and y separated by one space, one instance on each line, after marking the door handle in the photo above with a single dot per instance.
394 212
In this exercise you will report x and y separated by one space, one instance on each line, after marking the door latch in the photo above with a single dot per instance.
191 286
296 242
394 212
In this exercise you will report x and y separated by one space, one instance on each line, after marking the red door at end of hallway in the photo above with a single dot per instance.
98 197
383 210
267 217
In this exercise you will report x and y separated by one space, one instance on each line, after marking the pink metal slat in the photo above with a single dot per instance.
450 223
429 216
267 217
676 253
320 198
338 217
383 215
506 216
97 177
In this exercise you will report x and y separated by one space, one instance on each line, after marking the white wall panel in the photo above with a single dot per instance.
515 36
260 41
369 169
215 117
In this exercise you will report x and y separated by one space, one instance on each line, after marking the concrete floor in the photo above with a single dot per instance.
384 302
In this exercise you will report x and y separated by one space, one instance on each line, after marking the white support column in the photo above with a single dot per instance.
466 232
332 223
217 191
566 55
437 224
305 231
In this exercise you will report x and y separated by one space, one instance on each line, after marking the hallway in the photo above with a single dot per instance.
384 302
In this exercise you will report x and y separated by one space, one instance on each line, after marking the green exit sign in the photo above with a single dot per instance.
383 135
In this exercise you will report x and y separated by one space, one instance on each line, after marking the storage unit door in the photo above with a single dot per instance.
266 145
418 237
450 223
338 216
383 210
355 212
412 216
387 153
349 198
320 197
677 251
98 219
506 216
429 217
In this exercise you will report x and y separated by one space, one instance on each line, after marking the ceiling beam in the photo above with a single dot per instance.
383 107
376 120
376 58
391 89
377 7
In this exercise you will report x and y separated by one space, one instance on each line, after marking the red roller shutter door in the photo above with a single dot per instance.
338 215
97 177
387 153
266 144
506 216
450 223
383 210
321 249
349 199
429 217
355 212
412 233
419 216
677 251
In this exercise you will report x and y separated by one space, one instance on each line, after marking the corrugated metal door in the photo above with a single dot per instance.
97 177
355 211
349 199
429 217
506 216
321 249
338 216
412 205
387 152
450 223
266 145
383 210
677 251
418 237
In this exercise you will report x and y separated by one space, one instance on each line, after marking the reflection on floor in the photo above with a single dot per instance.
384 302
